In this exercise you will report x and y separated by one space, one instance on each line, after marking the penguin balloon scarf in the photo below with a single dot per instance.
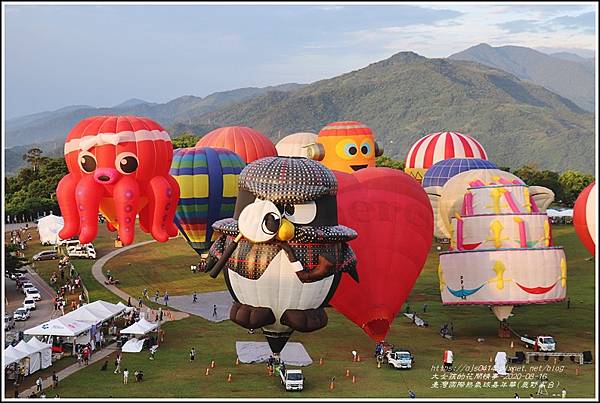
283 252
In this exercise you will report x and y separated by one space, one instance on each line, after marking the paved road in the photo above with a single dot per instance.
14 299
10 227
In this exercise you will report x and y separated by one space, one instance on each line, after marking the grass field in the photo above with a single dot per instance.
171 374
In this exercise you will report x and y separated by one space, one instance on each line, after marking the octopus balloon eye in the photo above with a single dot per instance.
87 162
126 163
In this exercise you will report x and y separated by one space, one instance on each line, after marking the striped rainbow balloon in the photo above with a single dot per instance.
208 180
440 146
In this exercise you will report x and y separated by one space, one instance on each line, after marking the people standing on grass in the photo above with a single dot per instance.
192 355
118 364
54 380
38 384
125 376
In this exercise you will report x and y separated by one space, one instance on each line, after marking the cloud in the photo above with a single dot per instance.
584 23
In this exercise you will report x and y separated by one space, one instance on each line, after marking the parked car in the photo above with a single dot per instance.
46 255
21 314
26 286
9 322
85 251
22 280
16 275
29 303
33 293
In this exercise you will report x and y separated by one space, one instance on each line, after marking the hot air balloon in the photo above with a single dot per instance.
440 146
441 171
119 166
283 252
346 147
248 143
295 145
208 179
394 221
502 252
447 200
584 217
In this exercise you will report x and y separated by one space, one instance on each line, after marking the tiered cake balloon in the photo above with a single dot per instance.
502 252
436 147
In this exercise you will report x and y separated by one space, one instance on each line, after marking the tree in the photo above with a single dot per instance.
185 140
33 158
534 177
12 262
572 183
385 161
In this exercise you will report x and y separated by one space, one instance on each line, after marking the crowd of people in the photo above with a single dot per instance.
20 237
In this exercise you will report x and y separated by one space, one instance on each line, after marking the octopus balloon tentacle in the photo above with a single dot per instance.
88 195
162 194
145 218
172 229
65 194
126 196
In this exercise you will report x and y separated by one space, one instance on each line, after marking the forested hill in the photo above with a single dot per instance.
407 96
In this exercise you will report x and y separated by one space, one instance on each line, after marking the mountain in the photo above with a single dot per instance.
14 155
572 57
131 102
571 79
49 126
407 96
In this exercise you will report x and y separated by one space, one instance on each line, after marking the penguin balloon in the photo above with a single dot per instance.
283 252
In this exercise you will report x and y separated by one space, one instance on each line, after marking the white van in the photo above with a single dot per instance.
85 251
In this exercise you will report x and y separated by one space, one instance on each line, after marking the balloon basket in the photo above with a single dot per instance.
237 361
347 372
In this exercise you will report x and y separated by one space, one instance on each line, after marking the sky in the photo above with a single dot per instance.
57 55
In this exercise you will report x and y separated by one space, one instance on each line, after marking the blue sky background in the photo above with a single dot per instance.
101 55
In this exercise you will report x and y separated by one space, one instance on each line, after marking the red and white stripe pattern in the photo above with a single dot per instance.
101 130
440 146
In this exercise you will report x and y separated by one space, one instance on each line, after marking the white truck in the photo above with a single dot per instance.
85 251
399 358
544 343
292 379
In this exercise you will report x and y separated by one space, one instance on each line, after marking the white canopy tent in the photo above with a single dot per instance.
44 349
133 346
559 213
12 355
61 326
48 228
35 359
140 328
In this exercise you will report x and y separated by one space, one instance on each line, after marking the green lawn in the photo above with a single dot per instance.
171 375
161 267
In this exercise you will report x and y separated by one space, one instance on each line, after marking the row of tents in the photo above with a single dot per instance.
79 326
33 355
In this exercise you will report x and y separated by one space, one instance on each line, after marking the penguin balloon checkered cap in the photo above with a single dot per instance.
298 189
288 180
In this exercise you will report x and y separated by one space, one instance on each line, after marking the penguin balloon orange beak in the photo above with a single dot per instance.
286 231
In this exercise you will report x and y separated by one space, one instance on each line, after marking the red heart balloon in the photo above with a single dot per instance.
394 220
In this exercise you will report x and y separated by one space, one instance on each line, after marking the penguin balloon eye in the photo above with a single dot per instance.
259 221
303 213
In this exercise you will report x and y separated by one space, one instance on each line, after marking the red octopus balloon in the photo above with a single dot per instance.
118 165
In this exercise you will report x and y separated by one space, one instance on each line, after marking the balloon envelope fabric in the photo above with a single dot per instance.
440 172
393 218
208 179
